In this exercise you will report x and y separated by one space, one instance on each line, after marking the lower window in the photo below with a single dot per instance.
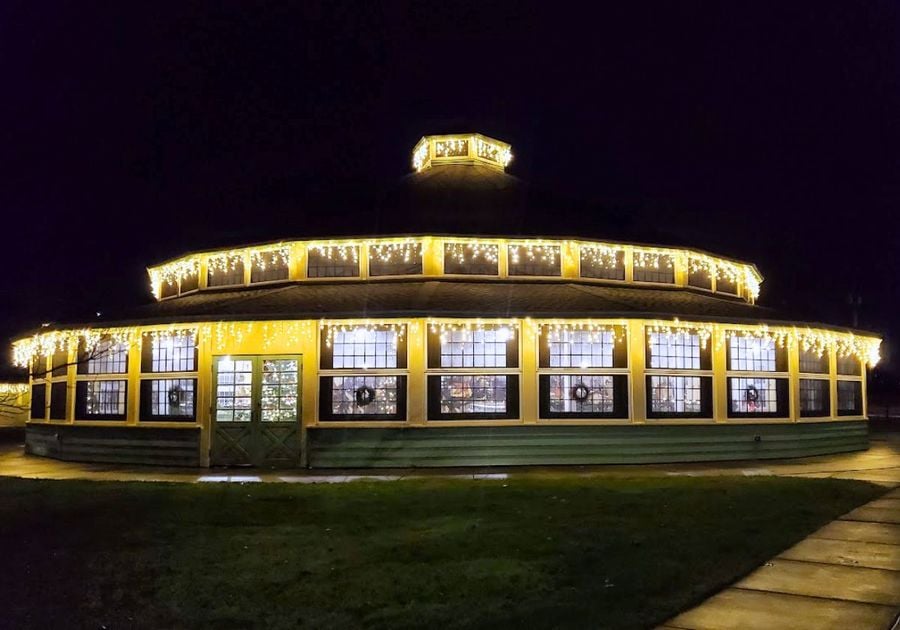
849 398
473 397
679 397
39 402
168 399
101 400
750 397
362 398
584 396
814 397
59 392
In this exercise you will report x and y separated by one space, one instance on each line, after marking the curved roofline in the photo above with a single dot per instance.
377 237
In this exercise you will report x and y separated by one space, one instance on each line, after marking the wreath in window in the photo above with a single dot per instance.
752 396
175 396
581 392
365 395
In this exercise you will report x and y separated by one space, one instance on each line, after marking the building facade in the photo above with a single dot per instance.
440 350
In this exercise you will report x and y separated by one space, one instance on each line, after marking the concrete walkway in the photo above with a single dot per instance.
844 576
880 464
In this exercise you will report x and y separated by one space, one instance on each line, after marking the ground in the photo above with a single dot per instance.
550 550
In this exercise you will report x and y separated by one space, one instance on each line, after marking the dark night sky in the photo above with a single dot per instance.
132 132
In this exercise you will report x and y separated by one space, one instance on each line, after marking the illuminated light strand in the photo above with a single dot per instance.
605 256
331 329
564 331
225 261
46 343
464 253
493 152
278 255
865 349
677 328
404 251
420 156
445 329
14 388
534 252
345 252
172 273
649 259
451 148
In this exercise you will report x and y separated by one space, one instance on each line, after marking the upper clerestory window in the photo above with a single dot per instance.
472 258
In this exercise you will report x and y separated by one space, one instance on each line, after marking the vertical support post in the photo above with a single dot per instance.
637 357
628 261
416 344
719 355
363 249
528 367
248 270
135 348
503 258
203 272
203 407
432 256
570 262
793 350
71 374
832 381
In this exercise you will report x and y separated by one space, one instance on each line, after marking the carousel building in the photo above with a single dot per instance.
446 349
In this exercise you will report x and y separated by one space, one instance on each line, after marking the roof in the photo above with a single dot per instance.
444 298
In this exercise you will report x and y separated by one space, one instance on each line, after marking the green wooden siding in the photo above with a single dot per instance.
117 445
523 445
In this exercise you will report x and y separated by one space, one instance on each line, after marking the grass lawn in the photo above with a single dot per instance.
530 552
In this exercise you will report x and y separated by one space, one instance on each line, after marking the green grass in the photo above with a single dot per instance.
531 552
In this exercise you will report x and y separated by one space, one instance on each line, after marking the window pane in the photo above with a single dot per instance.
678 351
173 353
751 354
580 348
104 398
849 366
269 266
472 394
38 402
107 358
475 347
364 395
653 268
533 260
225 272
602 263
467 258
814 397
363 347
171 398
753 395
278 391
394 259
849 398
571 393
813 363
234 390
676 395
333 261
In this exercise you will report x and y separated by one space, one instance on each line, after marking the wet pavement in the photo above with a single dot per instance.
880 464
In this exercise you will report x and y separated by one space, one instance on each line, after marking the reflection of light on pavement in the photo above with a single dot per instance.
231 478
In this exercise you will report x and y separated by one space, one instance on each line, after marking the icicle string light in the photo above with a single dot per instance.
13 388
677 328
556 331
278 255
404 251
534 252
473 252
331 329
605 256
445 329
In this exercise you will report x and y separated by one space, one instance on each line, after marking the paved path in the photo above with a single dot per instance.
844 576
879 464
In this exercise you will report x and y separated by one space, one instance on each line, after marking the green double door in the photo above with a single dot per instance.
256 411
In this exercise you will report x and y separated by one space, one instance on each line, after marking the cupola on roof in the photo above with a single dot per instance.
461 148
